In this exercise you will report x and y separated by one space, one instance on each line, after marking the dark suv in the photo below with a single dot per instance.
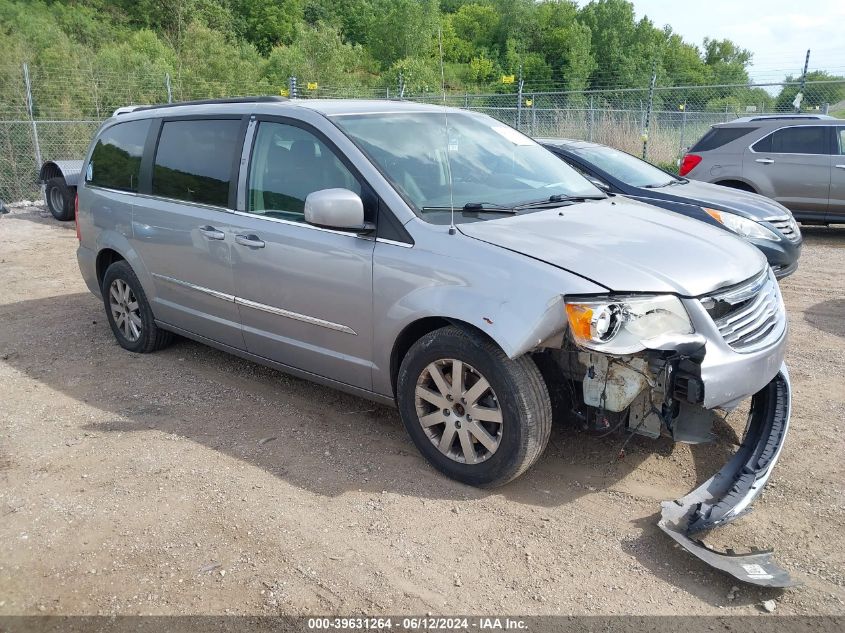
797 160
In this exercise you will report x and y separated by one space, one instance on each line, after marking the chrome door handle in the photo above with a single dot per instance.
249 240
211 233
765 161
839 166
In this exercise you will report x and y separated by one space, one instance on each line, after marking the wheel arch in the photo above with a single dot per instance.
415 330
736 183
111 247
105 258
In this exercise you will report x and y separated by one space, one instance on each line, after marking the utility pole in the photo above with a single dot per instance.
647 123
800 96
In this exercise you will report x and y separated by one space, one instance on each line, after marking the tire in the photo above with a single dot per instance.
123 294
516 390
59 198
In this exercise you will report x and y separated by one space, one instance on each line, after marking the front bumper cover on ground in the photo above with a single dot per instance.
729 493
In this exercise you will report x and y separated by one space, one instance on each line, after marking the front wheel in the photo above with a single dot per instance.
475 415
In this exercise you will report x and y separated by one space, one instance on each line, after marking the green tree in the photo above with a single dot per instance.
267 23
815 94
318 54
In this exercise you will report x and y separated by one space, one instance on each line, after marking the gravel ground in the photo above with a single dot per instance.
189 481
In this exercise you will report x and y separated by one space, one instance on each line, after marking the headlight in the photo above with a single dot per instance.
619 325
741 226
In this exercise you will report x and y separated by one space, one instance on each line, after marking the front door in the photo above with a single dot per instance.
304 293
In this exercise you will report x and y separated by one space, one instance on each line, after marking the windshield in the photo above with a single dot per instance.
629 169
491 164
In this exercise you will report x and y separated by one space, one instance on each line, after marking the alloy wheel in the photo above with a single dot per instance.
125 310
459 411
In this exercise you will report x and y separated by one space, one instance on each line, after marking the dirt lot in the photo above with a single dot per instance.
189 481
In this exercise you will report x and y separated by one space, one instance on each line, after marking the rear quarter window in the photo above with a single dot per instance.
116 160
193 161
719 136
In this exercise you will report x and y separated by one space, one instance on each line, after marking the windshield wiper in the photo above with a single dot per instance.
660 185
556 200
476 207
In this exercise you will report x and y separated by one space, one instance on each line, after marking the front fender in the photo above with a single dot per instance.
516 300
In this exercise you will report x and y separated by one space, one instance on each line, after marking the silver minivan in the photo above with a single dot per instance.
442 262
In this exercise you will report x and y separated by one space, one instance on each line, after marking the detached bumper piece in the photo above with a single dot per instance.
729 493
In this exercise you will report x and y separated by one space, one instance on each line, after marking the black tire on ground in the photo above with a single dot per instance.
60 199
151 337
522 398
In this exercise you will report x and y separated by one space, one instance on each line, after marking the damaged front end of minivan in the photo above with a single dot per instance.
660 365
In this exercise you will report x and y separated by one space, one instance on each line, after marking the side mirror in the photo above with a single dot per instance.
339 209
601 184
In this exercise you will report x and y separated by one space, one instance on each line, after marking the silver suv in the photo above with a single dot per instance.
439 261
796 159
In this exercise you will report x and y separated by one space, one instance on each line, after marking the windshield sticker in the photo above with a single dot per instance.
512 135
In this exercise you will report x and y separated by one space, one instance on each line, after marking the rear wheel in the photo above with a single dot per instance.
59 199
129 313
474 414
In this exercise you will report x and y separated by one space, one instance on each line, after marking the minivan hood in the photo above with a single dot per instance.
745 203
627 246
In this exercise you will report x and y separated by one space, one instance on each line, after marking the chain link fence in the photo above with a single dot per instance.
53 117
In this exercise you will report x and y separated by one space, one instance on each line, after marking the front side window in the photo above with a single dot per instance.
116 160
841 136
193 161
808 139
476 161
287 164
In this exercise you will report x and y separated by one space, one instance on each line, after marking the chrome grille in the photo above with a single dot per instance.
750 316
788 228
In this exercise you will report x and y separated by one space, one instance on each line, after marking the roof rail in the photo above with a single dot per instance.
778 117
257 99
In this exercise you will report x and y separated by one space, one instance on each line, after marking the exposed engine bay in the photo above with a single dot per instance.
660 393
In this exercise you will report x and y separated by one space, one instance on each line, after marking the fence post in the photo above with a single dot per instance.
592 117
29 110
167 85
683 126
401 85
519 101
533 114
803 82
647 123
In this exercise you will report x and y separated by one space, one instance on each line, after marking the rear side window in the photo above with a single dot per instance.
794 140
841 136
719 136
116 160
193 161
